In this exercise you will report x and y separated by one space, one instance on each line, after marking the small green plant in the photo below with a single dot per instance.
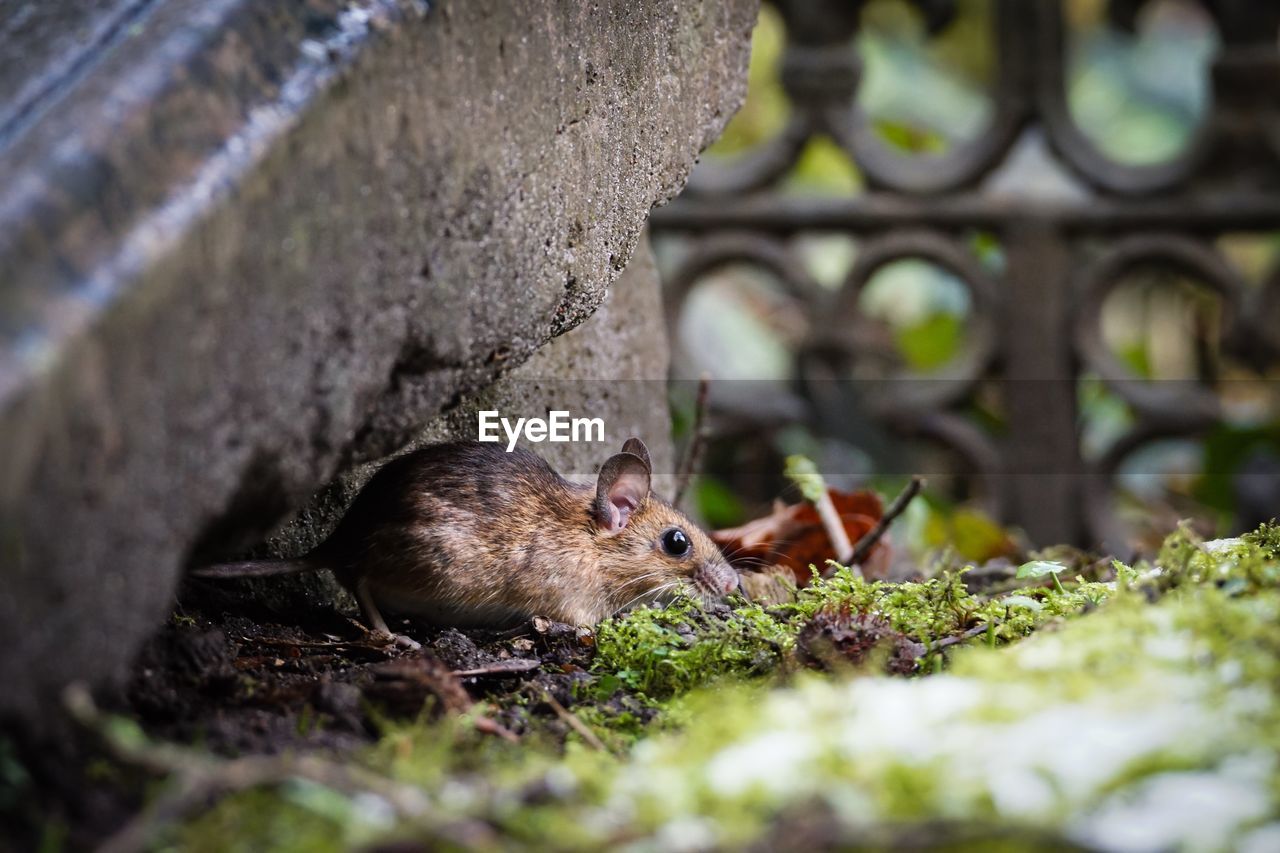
1042 568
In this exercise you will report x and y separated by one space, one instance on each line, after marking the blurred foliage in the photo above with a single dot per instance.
970 532
1228 449
1139 97
717 504
13 776
824 169
925 94
931 343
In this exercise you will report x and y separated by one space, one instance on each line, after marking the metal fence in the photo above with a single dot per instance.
1034 323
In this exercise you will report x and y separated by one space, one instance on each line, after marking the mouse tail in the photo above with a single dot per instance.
254 569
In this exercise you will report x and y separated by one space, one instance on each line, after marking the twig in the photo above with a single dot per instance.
312 645
522 630
838 536
874 535
696 438
502 667
574 723
801 471
487 726
975 631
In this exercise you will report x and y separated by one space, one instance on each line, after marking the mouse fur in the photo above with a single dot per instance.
468 534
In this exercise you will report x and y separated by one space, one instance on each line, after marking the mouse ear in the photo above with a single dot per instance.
623 485
636 446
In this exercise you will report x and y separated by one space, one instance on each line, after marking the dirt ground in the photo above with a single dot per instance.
239 680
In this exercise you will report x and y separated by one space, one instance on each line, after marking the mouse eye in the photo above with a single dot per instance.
676 543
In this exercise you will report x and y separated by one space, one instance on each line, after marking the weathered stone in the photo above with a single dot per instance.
246 244
614 367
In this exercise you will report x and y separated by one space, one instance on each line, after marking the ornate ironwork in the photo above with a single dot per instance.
1036 325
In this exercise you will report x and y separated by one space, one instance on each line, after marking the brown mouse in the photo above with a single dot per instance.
468 534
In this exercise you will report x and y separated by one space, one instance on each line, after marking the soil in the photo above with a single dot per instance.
237 679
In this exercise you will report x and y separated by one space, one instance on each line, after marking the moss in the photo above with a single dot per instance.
662 652
1267 539
1054 731
1153 722
295 817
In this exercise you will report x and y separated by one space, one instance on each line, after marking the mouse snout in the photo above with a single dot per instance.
718 578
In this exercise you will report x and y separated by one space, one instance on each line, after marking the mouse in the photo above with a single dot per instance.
469 534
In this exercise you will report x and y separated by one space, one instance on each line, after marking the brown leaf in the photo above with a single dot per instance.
792 537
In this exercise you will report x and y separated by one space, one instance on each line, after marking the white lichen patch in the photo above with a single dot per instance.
1199 810
1131 730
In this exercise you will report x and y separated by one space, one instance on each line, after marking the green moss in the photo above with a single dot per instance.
1267 539
295 817
1162 703
662 652
1055 731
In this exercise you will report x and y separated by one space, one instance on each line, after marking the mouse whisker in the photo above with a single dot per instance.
751 563
647 594
734 558
641 579
671 599
652 594
645 576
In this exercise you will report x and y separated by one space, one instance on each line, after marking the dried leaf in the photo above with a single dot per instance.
792 537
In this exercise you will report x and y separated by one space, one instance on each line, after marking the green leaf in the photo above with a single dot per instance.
1040 569
1022 601
606 687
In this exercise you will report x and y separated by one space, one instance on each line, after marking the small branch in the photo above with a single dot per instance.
895 509
571 719
502 667
834 527
488 726
801 471
696 438
875 534
272 642
975 631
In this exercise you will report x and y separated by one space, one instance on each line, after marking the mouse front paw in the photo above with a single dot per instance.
386 638
406 642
